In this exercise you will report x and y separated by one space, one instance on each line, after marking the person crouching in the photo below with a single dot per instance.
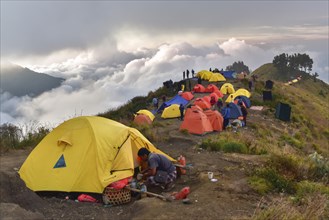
160 172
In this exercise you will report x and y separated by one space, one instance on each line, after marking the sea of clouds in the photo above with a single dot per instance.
104 77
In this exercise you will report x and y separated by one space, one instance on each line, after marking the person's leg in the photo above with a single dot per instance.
170 181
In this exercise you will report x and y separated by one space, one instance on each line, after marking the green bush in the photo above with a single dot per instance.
277 182
10 136
234 147
306 187
33 138
292 141
208 144
224 145
259 184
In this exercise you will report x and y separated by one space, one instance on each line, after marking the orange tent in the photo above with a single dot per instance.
196 122
187 95
211 88
142 119
199 88
215 95
219 93
207 98
202 103
216 119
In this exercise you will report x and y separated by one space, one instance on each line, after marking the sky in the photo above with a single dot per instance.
111 51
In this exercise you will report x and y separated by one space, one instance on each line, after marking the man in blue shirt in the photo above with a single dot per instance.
160 172
226 116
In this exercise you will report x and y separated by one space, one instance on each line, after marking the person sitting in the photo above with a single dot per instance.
160 172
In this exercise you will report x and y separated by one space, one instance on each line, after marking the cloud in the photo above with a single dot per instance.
105 77
94 85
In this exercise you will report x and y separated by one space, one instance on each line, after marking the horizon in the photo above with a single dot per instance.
107 59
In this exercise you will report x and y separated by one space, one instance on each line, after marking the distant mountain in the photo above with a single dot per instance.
20 81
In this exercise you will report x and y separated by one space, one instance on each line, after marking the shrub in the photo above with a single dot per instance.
33 138
234 147
276 180
305 188
318 167
10 136
224 145
292 141
314 207
259 184
208 144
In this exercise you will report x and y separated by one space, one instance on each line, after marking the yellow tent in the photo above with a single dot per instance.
84 154
146 112
204 74
227 88
217 77
238 92
171 111
243 92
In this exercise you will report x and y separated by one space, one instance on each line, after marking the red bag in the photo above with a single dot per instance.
183 193
86 198
120 183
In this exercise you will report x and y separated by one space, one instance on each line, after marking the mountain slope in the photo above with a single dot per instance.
20 81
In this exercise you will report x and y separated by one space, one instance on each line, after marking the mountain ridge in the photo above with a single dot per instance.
19 81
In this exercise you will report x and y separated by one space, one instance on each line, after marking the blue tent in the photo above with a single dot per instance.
229 74
175 100
245 100
235 110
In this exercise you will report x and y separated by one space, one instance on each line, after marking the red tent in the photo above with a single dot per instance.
199 88
216 119
187 95
211 88
214 95
196 122
142 119
202 103
219 93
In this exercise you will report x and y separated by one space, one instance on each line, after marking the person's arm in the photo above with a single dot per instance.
149 172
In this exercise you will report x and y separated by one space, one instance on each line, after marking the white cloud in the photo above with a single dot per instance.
94 84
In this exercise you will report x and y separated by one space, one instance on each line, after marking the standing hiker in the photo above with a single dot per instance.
187 74
192 73
181 110
155 102
244 113
226 116
183 74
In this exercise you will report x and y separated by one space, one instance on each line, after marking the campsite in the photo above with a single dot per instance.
274 136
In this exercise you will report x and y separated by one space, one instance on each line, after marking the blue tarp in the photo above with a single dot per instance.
175 100
229 74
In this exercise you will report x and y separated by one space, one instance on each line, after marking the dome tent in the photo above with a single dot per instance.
84 154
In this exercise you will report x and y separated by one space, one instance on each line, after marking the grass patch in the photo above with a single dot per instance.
305 188
224 145
292 141
314 207
259 184
275 180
